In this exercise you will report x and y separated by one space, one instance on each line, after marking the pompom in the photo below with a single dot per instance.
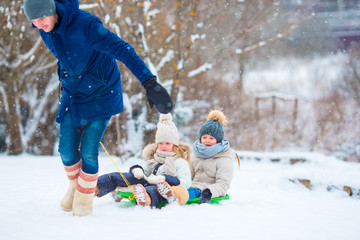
217 115
165 117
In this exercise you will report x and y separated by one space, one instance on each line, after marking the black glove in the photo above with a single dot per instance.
205 196
157 95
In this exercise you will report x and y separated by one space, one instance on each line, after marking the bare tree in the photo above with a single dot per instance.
351 83
27 91
189 44
182 40
160 32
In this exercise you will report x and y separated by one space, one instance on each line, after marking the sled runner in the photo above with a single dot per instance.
130 196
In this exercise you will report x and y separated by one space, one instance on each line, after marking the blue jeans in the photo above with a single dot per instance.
81 143
194 193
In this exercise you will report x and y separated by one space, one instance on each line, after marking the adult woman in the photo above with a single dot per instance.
91 84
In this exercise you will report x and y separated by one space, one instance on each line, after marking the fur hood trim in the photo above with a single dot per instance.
186 146
149 150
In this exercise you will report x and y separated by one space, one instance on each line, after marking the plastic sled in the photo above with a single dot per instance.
130 196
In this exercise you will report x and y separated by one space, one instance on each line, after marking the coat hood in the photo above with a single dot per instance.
149 150
66 10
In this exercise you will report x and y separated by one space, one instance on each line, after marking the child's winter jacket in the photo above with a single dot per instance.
182 175
214 173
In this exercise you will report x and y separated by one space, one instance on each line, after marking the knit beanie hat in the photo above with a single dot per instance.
216 120
166 130
39 8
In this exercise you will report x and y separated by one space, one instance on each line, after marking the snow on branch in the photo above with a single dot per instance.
141 31
39 108
44 67
147 6
27 55
116 28
202 68
88 6
3 98
153 13
170 37
3 62
167 58
151 66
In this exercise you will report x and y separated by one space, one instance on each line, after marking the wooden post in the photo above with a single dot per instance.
273 99
295 112
257 109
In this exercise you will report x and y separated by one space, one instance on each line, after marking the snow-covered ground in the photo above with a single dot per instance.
264 203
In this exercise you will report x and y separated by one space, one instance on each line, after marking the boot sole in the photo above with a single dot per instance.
141 196
166 191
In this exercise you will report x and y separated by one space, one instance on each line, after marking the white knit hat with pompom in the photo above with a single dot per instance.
166 130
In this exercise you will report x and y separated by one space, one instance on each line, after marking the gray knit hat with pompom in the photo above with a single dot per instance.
216 120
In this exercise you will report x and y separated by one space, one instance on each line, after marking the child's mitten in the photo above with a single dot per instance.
154 179
205 196
138 173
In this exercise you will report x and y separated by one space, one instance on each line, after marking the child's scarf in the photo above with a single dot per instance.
166 158
204 151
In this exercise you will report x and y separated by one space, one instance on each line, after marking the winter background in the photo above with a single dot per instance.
267 201
267 197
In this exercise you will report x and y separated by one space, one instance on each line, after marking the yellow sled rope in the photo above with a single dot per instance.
122 175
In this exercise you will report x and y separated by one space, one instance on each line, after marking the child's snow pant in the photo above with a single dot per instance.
109 182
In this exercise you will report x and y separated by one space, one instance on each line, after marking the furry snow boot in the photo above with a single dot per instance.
166 192
181 194
116 196
84 194
141 196
73 173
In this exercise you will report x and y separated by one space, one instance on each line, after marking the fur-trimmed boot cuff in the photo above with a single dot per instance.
72 173
84 194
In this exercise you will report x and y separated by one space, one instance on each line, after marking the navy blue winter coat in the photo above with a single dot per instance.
87 68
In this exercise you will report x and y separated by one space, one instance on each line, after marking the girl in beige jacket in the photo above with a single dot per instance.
212 166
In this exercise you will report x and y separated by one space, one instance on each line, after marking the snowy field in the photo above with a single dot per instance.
264 203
